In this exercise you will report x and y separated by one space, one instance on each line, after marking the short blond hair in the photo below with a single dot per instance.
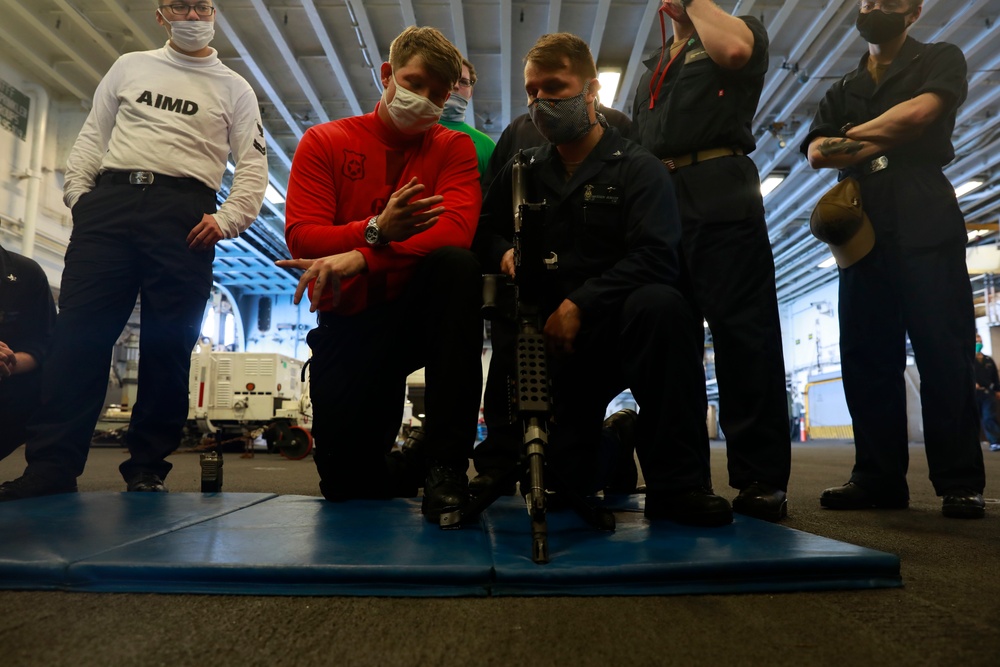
549 51
440 56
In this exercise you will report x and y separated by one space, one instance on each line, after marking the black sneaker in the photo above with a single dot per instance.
620 429
445 490
963 504
692 507
145 482
32 486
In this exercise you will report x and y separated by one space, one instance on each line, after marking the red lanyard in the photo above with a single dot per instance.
659 83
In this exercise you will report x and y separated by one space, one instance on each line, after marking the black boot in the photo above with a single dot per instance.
445 490
692 507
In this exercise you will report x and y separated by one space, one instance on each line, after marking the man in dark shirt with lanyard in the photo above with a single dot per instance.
889 124
693 110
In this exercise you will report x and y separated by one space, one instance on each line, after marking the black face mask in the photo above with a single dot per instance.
878 27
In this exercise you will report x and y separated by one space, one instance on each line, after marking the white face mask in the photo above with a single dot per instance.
454 108
411 113
191 36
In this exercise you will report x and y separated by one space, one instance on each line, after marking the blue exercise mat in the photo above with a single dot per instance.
261 544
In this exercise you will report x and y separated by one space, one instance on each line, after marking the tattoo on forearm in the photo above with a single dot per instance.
839 146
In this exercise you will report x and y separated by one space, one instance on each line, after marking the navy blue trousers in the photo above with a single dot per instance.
649 347
127 241
357 376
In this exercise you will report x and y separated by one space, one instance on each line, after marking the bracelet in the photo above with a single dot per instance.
847 128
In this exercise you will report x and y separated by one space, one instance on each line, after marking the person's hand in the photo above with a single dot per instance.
7 361
507 264
561 328
404 216
205 234
328 272
674 9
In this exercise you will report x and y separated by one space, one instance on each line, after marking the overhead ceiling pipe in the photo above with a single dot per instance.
40 118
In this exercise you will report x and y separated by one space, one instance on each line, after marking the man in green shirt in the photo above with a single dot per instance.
454 115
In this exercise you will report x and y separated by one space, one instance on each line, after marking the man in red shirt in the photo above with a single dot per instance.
381 211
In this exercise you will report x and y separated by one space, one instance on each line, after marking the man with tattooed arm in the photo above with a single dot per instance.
888 123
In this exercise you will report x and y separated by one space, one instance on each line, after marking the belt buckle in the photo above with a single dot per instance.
140 178
878 164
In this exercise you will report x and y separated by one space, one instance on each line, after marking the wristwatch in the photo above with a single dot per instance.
373 235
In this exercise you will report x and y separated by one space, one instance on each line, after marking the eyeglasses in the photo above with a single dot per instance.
180 9
884 5
466 83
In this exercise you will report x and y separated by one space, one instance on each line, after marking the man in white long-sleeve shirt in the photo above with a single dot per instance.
141 181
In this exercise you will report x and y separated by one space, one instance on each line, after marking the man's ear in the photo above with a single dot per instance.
386 74
595 87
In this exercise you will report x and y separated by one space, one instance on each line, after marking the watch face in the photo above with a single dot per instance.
371 234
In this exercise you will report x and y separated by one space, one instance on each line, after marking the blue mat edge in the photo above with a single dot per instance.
77 576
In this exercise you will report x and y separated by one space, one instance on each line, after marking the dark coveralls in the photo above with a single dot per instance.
503 439
914 281
27 318
127 240
987 386
729 268
614 228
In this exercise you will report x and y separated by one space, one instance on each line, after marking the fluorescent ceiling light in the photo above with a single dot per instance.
768 185
609 79
272 195
967 187
827 263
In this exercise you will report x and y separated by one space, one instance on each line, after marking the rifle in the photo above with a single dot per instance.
532 401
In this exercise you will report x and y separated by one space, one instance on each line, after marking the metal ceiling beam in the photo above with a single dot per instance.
137 31
297 73
409 16
367 42
458 22
826 23
633 71
81 22
600 26
29 53
332 56
555 9
55 40
257 72
506 55
743 7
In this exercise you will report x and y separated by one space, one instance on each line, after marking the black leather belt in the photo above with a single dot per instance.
146 178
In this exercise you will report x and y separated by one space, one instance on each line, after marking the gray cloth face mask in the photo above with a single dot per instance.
561 121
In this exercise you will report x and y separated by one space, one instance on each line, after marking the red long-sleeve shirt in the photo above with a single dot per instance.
345 171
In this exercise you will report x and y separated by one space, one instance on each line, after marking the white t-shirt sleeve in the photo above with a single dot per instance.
87 154
246 142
